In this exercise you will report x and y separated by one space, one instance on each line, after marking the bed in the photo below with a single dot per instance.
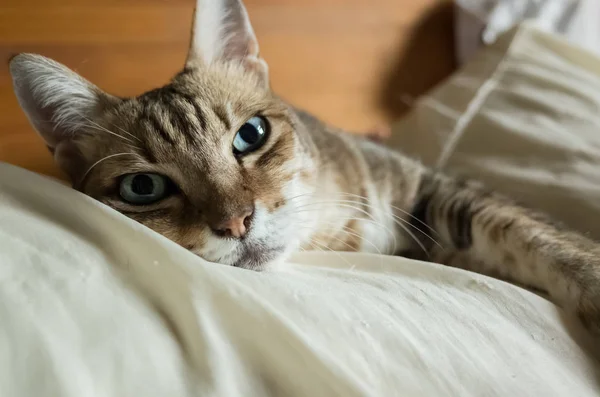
94 304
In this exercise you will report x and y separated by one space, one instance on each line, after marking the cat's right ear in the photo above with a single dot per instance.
222 32
57 101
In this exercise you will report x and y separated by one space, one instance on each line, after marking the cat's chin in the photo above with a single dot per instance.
258 259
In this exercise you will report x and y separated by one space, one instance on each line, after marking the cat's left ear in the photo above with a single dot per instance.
59 104
222 32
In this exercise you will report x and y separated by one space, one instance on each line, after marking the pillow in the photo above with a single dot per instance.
524 117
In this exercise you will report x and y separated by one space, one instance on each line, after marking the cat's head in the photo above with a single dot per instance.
212 160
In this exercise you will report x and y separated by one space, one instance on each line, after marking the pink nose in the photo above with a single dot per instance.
235 227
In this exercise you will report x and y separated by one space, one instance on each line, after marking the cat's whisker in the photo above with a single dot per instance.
391 206
402 226
343 242
396 208
313 243
314 247
127 133
77 125
372 221
97 126
298 196
362 238
397 220
100 128
415 238
103 159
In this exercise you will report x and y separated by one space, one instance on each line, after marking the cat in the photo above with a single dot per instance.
218 163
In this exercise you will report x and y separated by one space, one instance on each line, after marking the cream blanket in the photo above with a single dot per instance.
93 304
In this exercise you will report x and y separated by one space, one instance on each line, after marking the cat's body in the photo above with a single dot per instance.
219 164
381 201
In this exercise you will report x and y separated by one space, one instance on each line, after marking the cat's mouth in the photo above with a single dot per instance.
268 241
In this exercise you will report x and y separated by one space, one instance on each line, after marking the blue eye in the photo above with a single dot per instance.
251 136
139 189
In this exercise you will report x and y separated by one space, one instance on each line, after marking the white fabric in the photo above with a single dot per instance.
93 304
483 21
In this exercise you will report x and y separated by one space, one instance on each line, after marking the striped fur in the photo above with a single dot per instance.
313 186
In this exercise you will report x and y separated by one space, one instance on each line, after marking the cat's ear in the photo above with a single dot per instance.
222 32
56 100
59 104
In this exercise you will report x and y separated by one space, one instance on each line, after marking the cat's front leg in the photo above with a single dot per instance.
488 233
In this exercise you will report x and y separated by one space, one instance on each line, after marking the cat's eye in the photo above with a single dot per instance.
140 189
251 136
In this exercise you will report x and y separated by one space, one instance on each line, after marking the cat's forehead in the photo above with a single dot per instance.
197 108
223 95
221 85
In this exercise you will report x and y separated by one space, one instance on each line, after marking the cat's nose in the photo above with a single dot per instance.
236 226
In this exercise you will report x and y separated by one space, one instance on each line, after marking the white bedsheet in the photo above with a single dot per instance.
93 304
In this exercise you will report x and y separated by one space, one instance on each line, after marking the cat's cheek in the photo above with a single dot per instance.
190 238
297 212
271 231
283 178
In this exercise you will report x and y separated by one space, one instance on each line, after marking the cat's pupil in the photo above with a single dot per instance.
249 133
142 184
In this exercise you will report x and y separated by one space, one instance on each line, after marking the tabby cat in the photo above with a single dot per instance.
216 162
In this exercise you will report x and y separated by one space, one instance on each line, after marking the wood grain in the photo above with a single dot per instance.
351 62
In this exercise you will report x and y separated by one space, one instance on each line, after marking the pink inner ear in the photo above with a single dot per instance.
239 44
